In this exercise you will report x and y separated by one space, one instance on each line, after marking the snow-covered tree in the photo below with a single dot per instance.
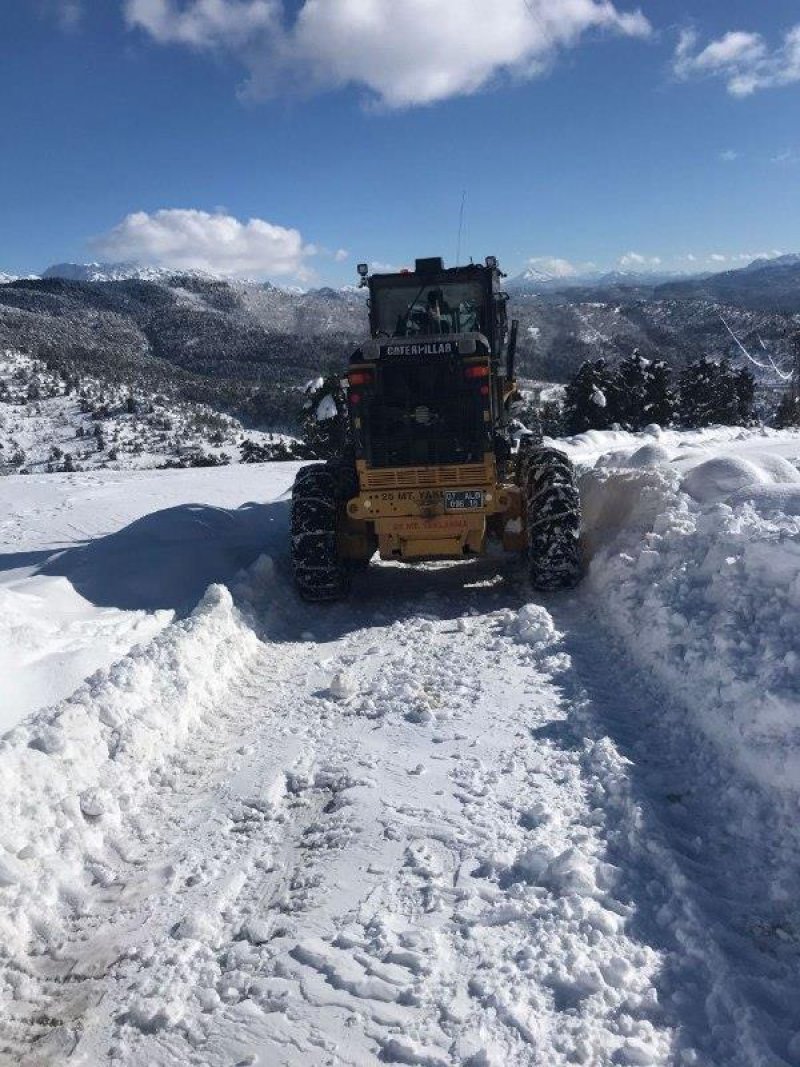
714 393
746 395
788 411
591 398
325 418
659 400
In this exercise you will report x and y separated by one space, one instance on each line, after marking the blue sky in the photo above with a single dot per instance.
582 132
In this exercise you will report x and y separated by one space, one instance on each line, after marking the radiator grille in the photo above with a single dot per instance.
425 477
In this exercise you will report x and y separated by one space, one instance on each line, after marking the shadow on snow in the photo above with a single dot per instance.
166 559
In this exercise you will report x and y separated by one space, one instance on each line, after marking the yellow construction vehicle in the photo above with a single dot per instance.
432 469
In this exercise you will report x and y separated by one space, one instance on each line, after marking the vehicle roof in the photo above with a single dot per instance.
469 271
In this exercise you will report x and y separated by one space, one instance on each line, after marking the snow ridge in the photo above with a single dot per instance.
88 757
707 596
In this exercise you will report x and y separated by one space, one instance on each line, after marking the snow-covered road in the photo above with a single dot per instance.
438 825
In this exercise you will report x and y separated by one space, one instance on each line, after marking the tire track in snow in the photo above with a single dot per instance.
440 859
430 888
726 912
147 854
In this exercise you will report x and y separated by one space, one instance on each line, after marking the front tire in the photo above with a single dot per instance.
553 516
320 574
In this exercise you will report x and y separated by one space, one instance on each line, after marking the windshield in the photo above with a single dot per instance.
408 311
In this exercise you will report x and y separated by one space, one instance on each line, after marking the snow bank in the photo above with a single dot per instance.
717 478
701 578
51 638
68 772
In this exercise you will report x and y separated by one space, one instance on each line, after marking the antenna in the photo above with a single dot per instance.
460 225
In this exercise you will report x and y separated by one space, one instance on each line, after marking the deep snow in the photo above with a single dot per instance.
96 562
443 824
696 557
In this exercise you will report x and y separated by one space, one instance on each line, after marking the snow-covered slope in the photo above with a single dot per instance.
52 422
444 824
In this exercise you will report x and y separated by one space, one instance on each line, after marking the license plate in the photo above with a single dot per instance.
463 499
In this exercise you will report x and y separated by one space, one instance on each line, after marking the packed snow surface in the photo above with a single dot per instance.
446 823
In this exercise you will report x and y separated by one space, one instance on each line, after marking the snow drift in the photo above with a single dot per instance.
699 573
70 770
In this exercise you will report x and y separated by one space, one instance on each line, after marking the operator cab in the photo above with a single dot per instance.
427 389
433 301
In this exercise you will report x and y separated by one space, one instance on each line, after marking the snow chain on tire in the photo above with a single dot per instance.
319 572
553 515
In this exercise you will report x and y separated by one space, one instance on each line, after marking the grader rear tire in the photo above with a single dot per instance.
553 518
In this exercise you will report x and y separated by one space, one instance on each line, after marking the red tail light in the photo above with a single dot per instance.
484 390
359 377
480 371
355 398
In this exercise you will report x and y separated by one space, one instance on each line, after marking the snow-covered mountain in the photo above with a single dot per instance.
243 348
791 259
533 280
6 278
246 347
118 272
763 285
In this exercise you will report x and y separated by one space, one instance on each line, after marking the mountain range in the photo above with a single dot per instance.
247 347
536 280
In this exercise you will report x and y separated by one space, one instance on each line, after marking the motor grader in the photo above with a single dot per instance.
434 467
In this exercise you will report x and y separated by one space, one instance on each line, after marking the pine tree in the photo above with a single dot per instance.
659 401
727 397
746 396
551 418
590 398
632 379
697 398
788 411
713 393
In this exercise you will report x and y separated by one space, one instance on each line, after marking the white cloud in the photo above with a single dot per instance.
67 13
743 60
203 23
738 258
341 254
635 261
557 268
197 240
729 155
70 13
405 54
